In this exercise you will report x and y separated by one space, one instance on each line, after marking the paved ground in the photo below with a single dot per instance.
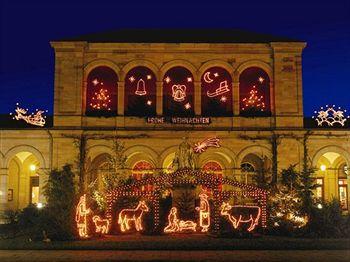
238 255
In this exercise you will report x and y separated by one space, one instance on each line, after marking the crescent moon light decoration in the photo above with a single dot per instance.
207 78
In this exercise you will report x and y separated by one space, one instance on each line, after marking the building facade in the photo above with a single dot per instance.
153 94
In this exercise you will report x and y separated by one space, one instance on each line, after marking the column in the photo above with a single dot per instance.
3 188
121 98
43 177
159 98
197 98
235 98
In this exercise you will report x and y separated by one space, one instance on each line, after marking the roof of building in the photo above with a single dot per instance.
178 36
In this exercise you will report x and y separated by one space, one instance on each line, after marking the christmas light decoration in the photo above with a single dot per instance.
37 119
330 116
209 142
189 79
204 212
176 225
207 78
149 102
261 80
253 101
178 92
222 89
141 88
101 225
81 217
127 215
101 100
167 79
223 99
187 106
241 214
131 79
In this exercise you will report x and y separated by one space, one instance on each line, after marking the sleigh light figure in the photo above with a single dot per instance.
240 214
102 225
128 215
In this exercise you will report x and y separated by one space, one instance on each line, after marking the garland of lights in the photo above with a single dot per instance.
330 116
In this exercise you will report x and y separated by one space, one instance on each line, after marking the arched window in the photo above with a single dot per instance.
178 92
216 91
214 168
254 92
143 169
247 171
101 92
140 92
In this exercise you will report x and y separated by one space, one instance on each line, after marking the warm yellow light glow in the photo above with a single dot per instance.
39 205
32 167
323 167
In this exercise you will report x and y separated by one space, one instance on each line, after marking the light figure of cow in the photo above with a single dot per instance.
81 217
239 214
176 225
102 225
127 215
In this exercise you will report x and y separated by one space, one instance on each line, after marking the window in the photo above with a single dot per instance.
319 189
343 194
247 171
178 92
34 189
215 169
101 92
216 89
140 92
254 92
143 169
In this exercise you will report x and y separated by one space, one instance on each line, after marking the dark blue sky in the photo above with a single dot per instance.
27 61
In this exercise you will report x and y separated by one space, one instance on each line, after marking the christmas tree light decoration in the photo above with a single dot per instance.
81 217
101 100
178 92
127 215
131 79
260 79
141 88
241 214
187 106
222 89
167 79
37 119
176 225
203 145
253 101
102 225
204 212
330 116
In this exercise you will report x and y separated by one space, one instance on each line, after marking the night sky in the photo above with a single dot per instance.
27 60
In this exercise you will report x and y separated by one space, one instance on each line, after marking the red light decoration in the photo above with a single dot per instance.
239 214
81 217
101 225
101 100
176 225
127 215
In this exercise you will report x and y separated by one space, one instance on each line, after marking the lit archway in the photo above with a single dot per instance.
213 168
143 169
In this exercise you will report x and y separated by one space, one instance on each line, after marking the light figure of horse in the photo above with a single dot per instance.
239 214
127 215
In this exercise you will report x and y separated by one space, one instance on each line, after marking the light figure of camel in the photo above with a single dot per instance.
102 225
176 225
241 214
127 215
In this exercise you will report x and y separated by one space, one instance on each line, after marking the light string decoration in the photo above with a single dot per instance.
185 177
101 225
101 100
127 215
202 146
239 214
176 225
222 89
253 101
36 119
330 116
204 212
81 217
141 88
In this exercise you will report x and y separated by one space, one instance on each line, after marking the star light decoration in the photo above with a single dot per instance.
330 116
36 119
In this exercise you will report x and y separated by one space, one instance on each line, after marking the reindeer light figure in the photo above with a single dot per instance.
127 215
37 119
239 214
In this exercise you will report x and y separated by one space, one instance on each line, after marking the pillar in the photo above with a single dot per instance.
159 98
235 98
3 188
121 98
43 177
197 98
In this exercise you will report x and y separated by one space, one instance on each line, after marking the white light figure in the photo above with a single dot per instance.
141 88
207 78
209 142
204 212
37 119
330 116
223 88
178 92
